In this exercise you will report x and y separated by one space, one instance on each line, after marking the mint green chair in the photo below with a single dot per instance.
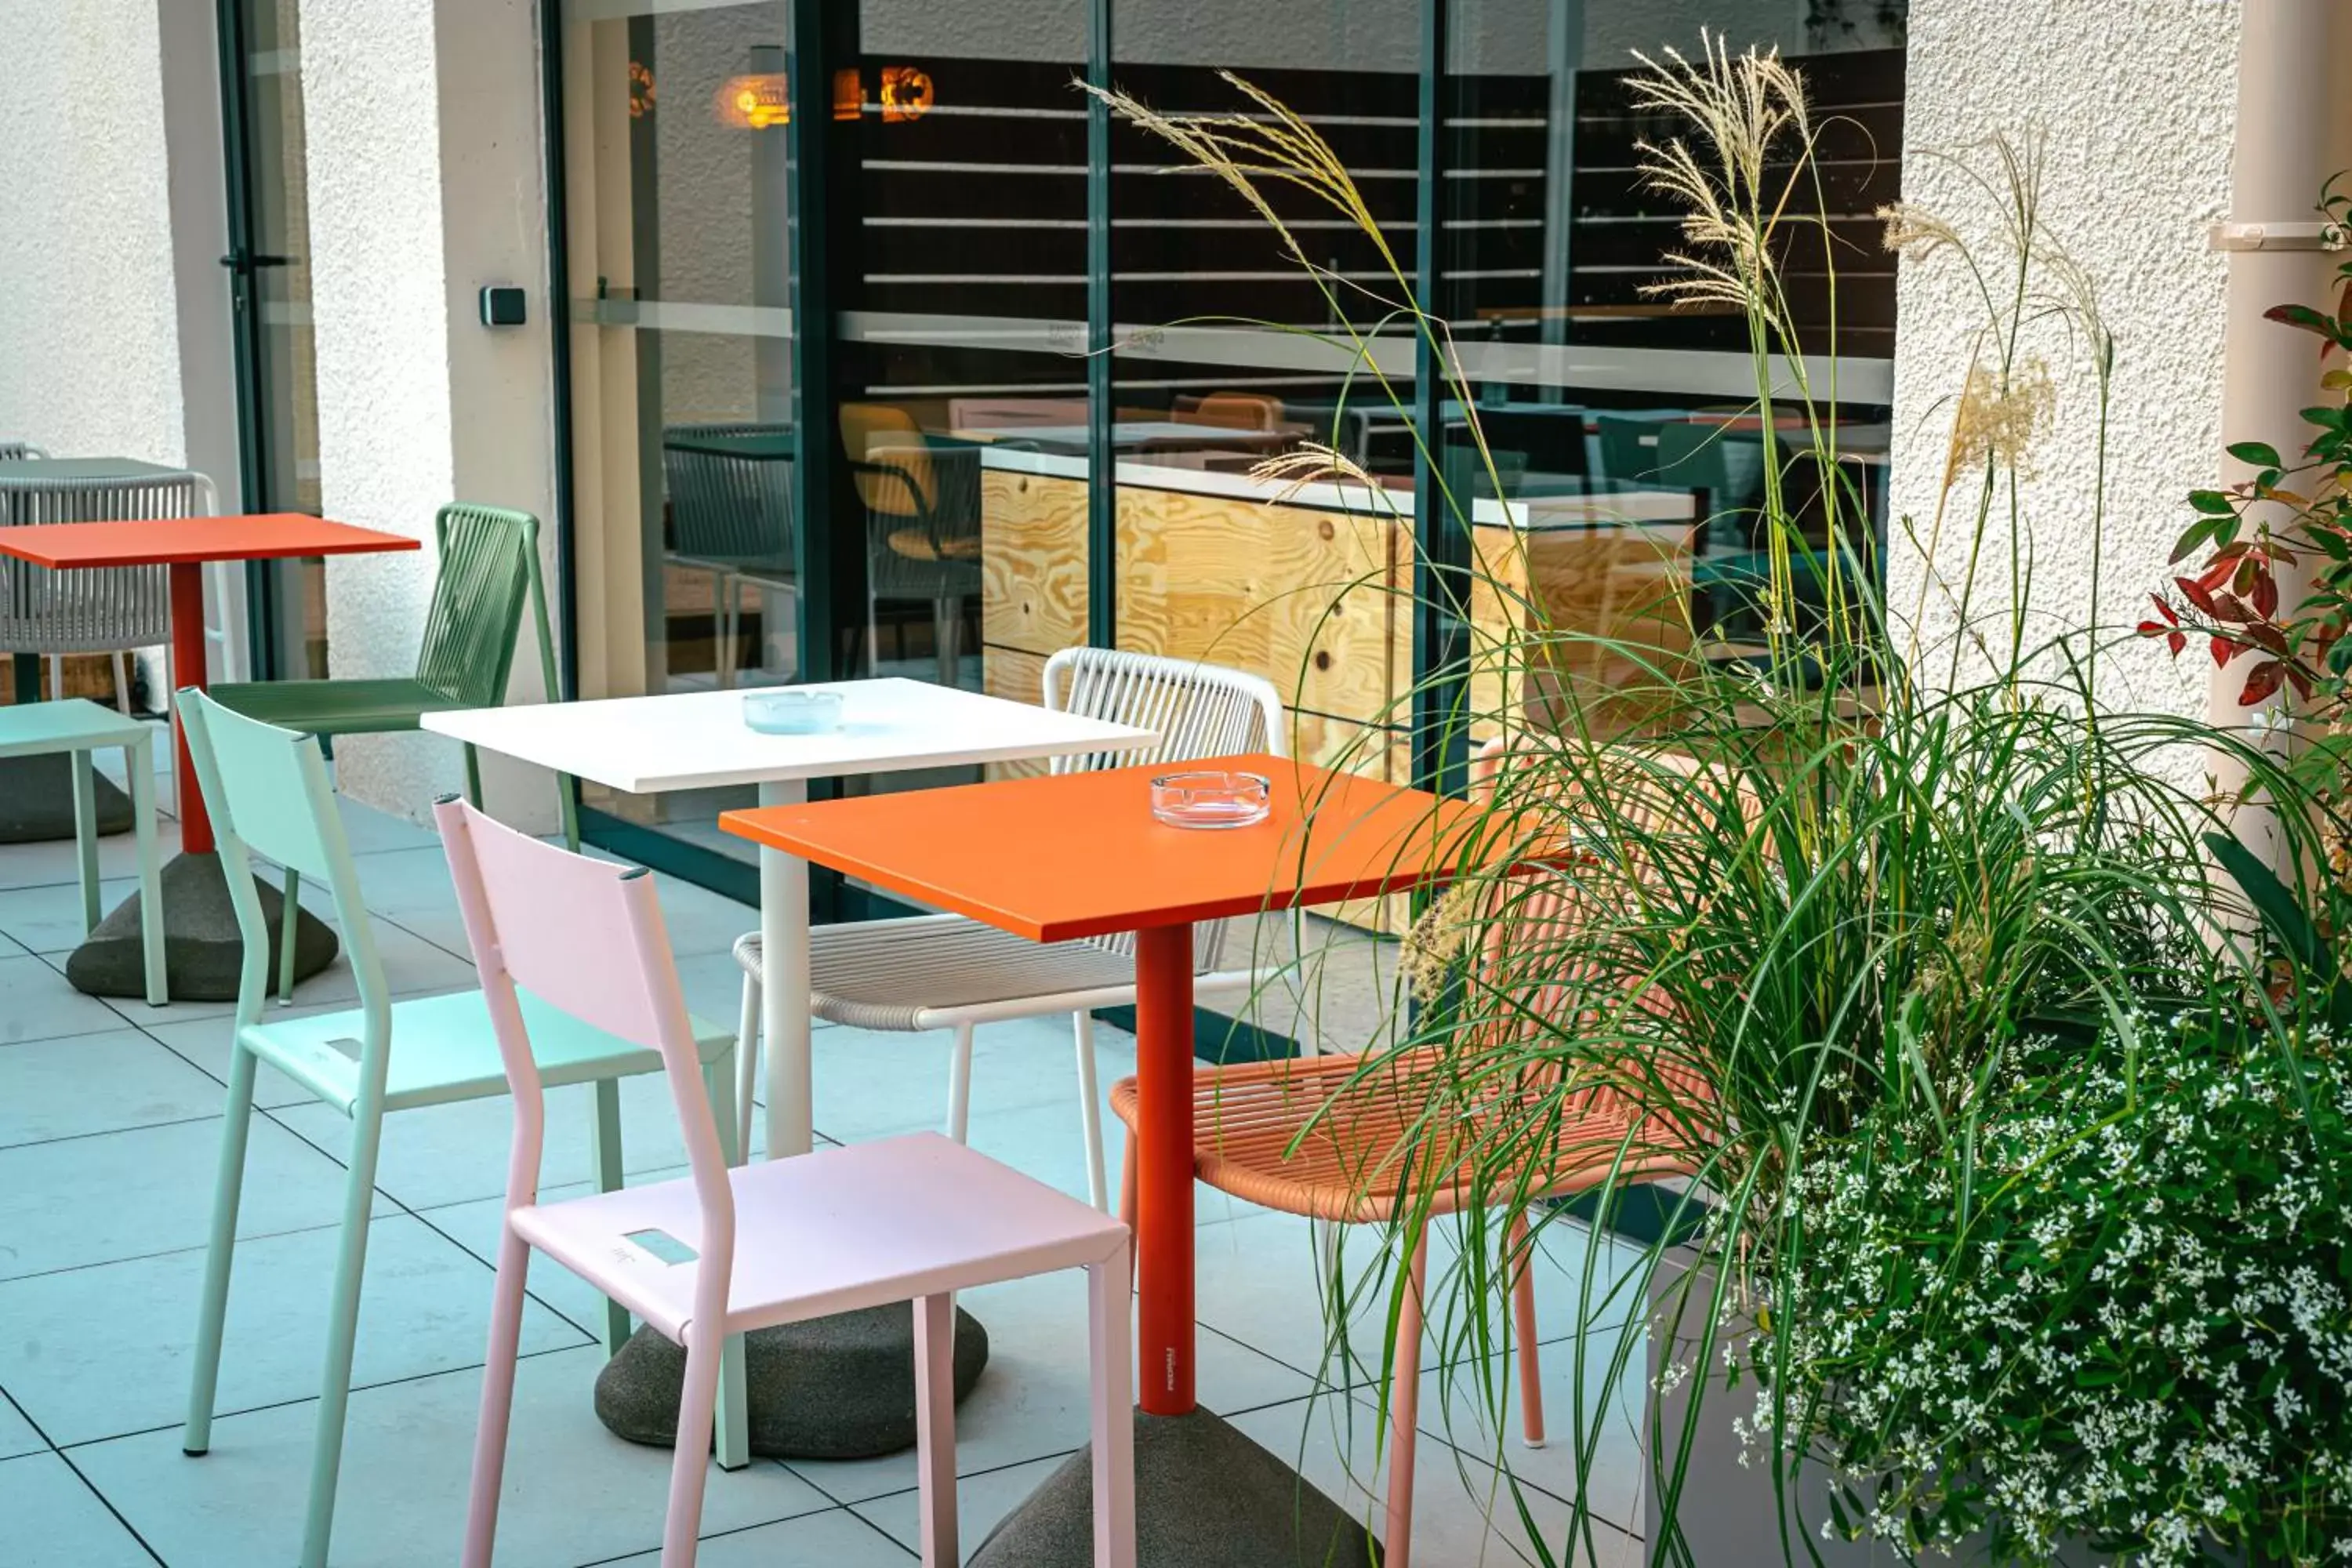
78 726
269 793
489 572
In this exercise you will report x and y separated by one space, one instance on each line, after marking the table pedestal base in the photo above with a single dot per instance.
36 801
831 1388
204 952
1204 1495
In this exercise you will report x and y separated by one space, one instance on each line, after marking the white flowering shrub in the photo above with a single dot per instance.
2125 1318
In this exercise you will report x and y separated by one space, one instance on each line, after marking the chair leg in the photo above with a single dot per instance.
289 928
935 1429
605 1143
1090 1112
343 1331
1523 1324
945 614
497 1398
473 777
1126 1201
691 1458
722 615
960 1084
567 803
747 1063
123 682
139 763
734 1417
1112 1403
212 1311
1404 1410
57 677
85 809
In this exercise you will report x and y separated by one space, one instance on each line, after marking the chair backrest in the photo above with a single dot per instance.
921 542
489 571
266 790
885 434
92 610
1703 454
730 493
1628 454
17 451
1197 710
586 938
1234 410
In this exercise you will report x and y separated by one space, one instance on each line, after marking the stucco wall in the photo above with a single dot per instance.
90 358
424 183
2134 104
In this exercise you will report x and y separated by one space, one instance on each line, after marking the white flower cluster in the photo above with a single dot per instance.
2116 1310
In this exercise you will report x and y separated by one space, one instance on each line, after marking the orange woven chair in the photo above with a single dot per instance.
1325 1138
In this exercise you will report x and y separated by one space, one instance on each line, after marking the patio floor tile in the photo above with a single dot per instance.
81 1084
837 1537
51 1519
74 1201
574 1493
105 1351
42 1007
16 1433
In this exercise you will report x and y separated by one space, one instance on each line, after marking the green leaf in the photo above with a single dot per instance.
2301 317
2195 536
2259 454
2213 503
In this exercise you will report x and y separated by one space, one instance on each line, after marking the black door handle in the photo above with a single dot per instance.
245 261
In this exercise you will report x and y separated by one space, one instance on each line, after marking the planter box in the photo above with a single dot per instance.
1727 1513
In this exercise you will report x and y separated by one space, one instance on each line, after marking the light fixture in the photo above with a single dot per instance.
641 89
755 101
848 93
905 94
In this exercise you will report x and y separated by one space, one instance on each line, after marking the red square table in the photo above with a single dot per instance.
1080 855
196 914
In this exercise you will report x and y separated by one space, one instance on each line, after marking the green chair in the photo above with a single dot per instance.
267 792
489 567
78 728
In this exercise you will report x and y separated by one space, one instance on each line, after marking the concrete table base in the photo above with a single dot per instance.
831 1388
1204 1495
36 801
203 953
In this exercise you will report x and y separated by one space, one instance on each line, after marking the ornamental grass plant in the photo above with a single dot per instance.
2013 1112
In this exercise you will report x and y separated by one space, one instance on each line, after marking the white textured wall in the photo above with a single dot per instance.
2134 102
424 183
90 358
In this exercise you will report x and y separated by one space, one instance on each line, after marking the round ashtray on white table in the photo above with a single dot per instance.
1212 798
788 711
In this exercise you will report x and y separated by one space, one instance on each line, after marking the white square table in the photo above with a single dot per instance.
644 745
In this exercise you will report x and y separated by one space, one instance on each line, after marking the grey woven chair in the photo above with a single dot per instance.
945 972
102 610
730 502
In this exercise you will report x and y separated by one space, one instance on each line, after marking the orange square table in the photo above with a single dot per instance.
1080 855
186 545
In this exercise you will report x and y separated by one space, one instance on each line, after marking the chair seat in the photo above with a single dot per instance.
72 724
776 571
1350 1128
913 974
336 707
443 1049
826 1232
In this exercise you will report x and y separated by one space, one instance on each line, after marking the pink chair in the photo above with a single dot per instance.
900 1219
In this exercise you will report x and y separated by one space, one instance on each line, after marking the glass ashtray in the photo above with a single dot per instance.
1211 799
791 712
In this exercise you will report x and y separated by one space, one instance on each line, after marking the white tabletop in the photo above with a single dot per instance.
698 740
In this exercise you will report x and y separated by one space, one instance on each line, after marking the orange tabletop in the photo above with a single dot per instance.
192 541
1081 855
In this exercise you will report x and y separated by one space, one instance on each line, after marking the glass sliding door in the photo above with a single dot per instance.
269 289
677 192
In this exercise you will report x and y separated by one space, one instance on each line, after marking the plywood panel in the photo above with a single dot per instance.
1588 587
1019 677
1033 576
1303 597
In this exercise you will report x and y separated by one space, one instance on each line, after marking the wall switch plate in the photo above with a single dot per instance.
502 305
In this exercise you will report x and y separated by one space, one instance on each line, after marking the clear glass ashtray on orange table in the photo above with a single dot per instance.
1210 798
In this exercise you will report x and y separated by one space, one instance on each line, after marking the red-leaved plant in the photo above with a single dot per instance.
2288 516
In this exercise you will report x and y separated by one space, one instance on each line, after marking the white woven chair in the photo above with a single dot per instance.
104 610
17 451
945 972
